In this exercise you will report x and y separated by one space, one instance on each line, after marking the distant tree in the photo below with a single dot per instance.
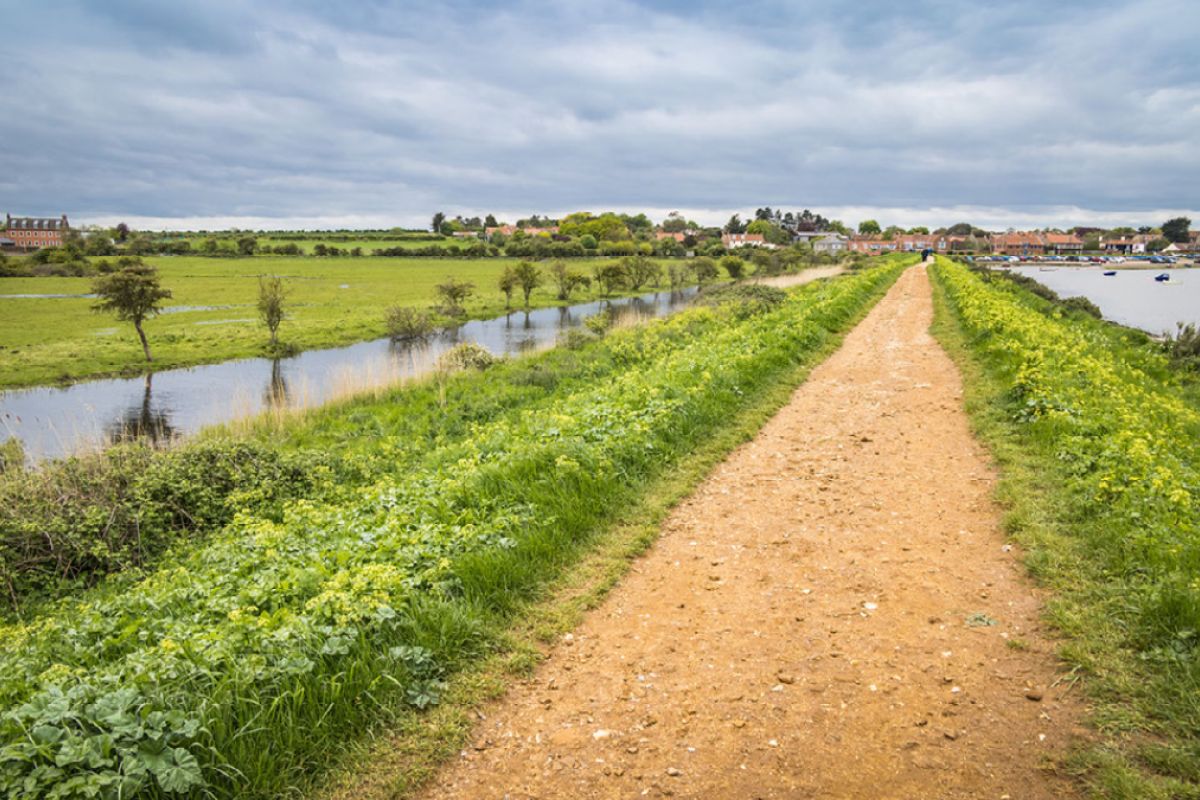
454 293
674 224
960 229
321 249
869 227
490 222
529 277
1176 229
1144 229
271 298
210 246
133 293
247 245
678 274
122 231
890 232
735 225
705 270
508 284
734 266
1157 245
611 277
837 226
588 242
641 271
919 230
566 280
439 219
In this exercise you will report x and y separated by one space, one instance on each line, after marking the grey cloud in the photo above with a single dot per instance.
363 109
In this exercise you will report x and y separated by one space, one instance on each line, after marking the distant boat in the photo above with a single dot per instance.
1110 272
1162 277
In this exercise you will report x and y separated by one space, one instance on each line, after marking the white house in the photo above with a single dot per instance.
831 244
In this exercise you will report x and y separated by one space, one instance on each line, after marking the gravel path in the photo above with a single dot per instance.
833 613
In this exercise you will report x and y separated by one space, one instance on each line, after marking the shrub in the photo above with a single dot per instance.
1082 304
72 522
404 323
467 355
600 322
747 299
1183 346
575 339
734 266
454 293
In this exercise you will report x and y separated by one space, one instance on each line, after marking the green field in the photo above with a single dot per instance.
211 317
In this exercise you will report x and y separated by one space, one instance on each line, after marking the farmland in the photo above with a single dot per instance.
239 656
211 315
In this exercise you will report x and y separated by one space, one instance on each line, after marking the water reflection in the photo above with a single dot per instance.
276 394
53 421
142 421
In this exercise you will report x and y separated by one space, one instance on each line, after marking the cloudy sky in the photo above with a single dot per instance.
360 113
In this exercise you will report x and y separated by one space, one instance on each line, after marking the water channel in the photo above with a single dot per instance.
53 421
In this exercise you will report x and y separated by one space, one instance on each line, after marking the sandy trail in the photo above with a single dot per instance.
799 278
833 614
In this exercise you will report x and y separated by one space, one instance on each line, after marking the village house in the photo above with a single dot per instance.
1063 244
872 245
34 233
1019 243
831 244
1191 247
914 242
734 240
678 236
1126 245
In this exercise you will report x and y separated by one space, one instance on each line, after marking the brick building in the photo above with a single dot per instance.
34 233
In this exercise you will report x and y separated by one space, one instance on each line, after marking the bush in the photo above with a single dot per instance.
404 323
734 266
1183 347
747 299
467 355
576 339
1082 304
72 522
598 323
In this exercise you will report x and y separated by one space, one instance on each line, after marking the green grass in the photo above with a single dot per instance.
286 637
1113 562
332 301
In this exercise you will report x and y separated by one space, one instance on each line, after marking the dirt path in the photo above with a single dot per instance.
832 614
802 277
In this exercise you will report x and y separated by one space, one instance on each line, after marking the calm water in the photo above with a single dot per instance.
1131 297
53 421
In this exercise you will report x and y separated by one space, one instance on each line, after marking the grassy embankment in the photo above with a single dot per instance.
331 302
1098 438
246 659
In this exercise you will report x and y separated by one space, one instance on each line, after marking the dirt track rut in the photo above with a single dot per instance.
833 613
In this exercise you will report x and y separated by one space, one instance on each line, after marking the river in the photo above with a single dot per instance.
53 421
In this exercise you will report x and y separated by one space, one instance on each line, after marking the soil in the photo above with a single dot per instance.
833 613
